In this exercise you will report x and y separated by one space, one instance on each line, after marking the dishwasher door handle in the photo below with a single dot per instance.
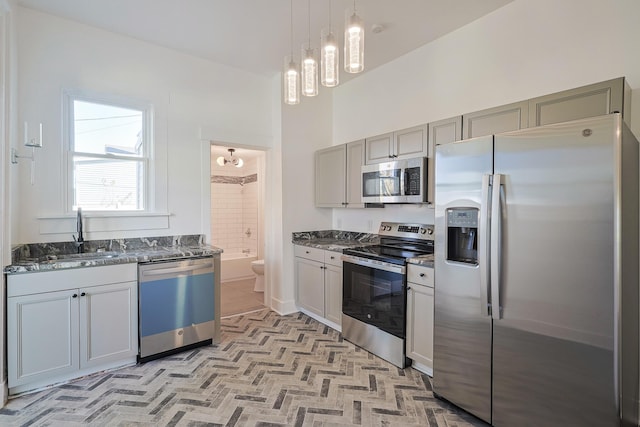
170 270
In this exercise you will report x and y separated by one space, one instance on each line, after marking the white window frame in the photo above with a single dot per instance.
69 96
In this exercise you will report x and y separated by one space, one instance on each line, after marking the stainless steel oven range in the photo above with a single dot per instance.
374 297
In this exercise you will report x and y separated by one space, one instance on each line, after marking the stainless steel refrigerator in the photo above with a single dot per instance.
536 275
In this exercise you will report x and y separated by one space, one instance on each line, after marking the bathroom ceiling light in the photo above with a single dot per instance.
235 161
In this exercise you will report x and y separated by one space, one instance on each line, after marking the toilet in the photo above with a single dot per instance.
258 269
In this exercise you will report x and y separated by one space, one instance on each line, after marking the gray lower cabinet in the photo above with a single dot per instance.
65 324
419 343
496 120
587 101
319 284
338 176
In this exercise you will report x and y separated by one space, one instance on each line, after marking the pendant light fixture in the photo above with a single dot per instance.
235 161
309 64
353 42
290 74
329 56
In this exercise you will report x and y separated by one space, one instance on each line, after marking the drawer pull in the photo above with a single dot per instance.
422 274
74 296
83 294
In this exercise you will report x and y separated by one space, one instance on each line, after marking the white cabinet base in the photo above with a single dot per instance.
428 370
321 319
81 374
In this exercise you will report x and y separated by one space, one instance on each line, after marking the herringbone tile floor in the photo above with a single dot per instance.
268 370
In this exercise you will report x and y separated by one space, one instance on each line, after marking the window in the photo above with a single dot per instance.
108 161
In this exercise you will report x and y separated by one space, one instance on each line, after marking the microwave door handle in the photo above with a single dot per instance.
484 226
496 244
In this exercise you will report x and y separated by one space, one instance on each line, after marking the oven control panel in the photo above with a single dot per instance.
400 229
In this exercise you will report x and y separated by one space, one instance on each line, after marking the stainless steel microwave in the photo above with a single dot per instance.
402 181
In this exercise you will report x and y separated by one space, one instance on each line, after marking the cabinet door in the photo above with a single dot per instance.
108 323
330 177
378 149
496 120
411 142
444 132
355 160
42 336
310 285
333 293
420 324
587 101
440 132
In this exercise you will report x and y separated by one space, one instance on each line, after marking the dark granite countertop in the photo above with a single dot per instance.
58 256
334 240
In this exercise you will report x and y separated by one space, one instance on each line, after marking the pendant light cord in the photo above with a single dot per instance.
309 22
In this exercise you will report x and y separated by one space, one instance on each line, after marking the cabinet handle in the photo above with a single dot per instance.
422 274
74 296
306 252
333 257
408 288
83 294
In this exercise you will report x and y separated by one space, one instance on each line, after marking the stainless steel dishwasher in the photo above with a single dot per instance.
177 305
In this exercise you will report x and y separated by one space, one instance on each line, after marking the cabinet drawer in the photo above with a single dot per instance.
420 275
309 253
58 280
333 258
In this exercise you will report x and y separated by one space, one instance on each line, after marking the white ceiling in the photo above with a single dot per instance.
254 35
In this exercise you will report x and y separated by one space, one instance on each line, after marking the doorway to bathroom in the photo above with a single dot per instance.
237 188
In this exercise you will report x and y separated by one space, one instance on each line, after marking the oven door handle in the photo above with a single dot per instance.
392 268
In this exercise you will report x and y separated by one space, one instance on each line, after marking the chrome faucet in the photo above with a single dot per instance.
79 240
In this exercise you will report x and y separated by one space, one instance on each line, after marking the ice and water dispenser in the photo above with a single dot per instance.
462 235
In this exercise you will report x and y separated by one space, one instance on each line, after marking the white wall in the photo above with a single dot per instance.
305 128
8 118
522 50
188 94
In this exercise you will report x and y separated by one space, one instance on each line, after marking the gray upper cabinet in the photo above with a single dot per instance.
355 160
338 176
330 176
586 101
440 132
444 132
402 144
379 149
411 142
496 120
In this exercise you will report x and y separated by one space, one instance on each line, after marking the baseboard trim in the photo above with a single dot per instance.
4 393
283 308
422 368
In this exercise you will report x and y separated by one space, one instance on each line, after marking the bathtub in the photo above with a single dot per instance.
236 266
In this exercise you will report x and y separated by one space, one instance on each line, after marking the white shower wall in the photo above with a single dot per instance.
234 207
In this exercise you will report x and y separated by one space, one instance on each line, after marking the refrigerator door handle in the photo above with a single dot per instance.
496 245
483 247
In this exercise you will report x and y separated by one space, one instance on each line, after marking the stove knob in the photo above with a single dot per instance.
430 230
423 230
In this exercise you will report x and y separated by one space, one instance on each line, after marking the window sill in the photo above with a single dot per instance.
105 221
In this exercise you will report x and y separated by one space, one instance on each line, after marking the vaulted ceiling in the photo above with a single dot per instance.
254 35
